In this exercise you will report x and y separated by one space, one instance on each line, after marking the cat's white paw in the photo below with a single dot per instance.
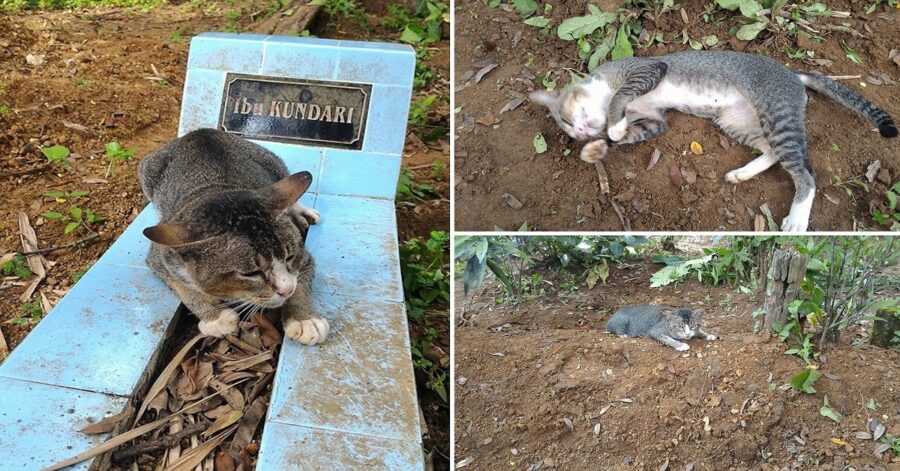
617 131
794 224
311 215
711 337
594 151
683 347
225 324
735 177
307 331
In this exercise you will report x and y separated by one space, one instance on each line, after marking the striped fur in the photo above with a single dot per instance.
754 99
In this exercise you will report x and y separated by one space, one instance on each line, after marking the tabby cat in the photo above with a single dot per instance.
230 242
665 325
754 99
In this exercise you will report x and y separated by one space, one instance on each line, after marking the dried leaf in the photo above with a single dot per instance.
224 462
604 409
484 71
465 462
723 141
872 170
882 447
863 435
675 176
163 377
602 177
512 104
232 396
488 119
270 334
196 455
838 441
36 263
248 425
696 148
684 17
568 423
654 158
626 400
877 428
512 201
664 466
223 422
832 199
597 429
108 424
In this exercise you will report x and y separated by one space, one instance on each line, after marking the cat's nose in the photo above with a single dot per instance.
285 292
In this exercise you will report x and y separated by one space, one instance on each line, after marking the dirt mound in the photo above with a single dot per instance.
495 155
530 389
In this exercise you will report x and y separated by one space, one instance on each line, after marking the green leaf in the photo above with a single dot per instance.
525 7
410 35
481 249
54 194
623 45
581 26
56 153
827 411
77 193
52 215
494 3
749 32
538 21
71 227
75 211
664 277
501 275
540 145
805 380
711 40
473 275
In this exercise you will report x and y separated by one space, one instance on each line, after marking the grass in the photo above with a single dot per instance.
115 153
3 110
15 267
408 189
14 6
347 9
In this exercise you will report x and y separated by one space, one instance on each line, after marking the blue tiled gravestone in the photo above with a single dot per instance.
337 109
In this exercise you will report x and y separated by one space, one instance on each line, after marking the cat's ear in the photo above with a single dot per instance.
169 235
668 312
697 314
285 192
548 99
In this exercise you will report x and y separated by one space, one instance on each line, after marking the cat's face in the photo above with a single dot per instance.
240 246
683 323
580 110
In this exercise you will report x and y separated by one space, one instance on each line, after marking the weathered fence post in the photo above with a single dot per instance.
785 274
883 330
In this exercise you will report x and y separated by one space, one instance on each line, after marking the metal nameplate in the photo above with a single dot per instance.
309 112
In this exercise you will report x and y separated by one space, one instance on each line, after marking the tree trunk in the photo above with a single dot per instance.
291 21
764 256
883 330
785 274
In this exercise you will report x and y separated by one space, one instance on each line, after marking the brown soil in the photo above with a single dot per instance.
523 370
560 192
94 75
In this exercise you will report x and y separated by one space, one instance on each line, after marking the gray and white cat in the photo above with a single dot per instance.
230 241
754 99
665 325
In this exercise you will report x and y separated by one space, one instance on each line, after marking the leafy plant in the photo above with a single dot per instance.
409 189
438 378
501 255
422 268
32 313
891 216
425 27
827 411
63 196
419 110
75 218
3 110
231 21
115 153
804 381
15 267
56 154
348 9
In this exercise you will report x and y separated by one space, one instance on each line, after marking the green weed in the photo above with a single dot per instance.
76 217
422 268
32 313
348 9
889 215
176 37
57 154
3 110
418 112
115 153
437 374
76 277
16 267
63 196
410 190
231 21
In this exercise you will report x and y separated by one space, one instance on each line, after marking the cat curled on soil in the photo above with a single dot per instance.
754 99
231 237
666 325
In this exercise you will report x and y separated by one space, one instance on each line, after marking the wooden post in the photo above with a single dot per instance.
883 330
785 274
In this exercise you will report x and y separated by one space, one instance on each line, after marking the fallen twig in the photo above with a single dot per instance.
77 243
160 443
602 176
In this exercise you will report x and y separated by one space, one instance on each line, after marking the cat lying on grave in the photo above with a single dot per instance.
754 99
665 325
231 239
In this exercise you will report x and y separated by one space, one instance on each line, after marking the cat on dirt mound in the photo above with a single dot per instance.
754 99
231 239
667 326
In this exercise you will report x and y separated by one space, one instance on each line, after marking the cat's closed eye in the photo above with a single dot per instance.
290 258
252 274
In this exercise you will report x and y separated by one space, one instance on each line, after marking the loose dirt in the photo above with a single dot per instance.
540 382
559 192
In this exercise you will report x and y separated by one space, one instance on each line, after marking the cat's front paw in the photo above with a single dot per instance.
311 215
310 331
594 151
794 224
617 131
711 337
225 324
683 347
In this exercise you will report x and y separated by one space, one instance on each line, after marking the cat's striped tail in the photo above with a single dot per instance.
851 99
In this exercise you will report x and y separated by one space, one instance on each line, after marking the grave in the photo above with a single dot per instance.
337 109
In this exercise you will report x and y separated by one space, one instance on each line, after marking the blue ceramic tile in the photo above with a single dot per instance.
386 125
356 259
101 334
298 159
202 101
131 248
300 41
354 173
376 66
359 381
228 38
376 212
226 54
300 60
39 423
291 448
379 47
